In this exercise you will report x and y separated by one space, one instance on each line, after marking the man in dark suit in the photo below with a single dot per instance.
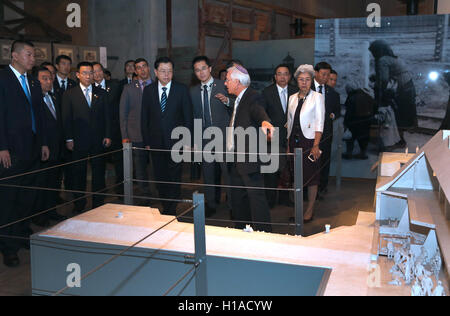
332 113
249 205
61 84
86 121
52 119
130 122
166 104
62 81
22 145
213 112
113 92
276 97
129 69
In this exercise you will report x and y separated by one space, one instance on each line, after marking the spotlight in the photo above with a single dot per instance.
433 76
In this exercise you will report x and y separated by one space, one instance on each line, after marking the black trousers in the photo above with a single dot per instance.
325 161
79 175
271 180
18 203
50 179
166 170
117 159
249 205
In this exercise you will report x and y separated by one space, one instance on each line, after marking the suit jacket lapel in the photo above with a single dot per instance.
18 84
277 99
82 96
198 100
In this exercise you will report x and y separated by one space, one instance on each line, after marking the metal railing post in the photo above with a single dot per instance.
128 173
201 280
339 157
298 180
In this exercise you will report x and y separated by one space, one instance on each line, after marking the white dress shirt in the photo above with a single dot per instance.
209 85
18 75
83 88
285 97
101 84
160 86
317 85
230 130
66 81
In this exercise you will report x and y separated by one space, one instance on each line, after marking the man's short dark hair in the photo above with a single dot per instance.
201 58
163 60
127 62
222 71
97 63
282 66
108 73
41 69
333 72
61 57
322 65
18 45
46 63
84 64
140 60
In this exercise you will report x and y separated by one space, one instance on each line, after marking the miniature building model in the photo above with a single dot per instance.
414 202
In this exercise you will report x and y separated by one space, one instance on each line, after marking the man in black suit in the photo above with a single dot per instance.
249 205
213 112
55 139
276 97
166 104
61 84
22 145
332 113
62 81
129 68
86 121
113 93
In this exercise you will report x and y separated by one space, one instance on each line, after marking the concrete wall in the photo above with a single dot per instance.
54 13
129 30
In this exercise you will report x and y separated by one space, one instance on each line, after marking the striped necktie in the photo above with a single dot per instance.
50 105
163 100
88 98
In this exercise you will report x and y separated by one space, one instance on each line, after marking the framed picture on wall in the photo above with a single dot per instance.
65 51
6 52
90 55
41 53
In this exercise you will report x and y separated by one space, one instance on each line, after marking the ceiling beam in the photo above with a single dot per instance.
270 7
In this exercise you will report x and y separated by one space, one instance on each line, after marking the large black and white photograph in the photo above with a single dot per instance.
393 83
211 149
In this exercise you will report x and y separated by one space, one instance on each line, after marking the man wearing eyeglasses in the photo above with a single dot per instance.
166 105
213 112
87 129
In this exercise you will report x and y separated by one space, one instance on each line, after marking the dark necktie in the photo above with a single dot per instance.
206 107
63 85
163 100
321 89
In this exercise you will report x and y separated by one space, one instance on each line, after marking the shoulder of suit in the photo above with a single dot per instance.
270 88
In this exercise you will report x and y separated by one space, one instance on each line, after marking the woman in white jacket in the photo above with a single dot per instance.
306 117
